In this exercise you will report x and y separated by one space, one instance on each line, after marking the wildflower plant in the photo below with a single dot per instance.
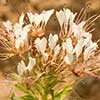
51 59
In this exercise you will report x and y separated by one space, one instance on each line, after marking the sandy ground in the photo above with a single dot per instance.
7 88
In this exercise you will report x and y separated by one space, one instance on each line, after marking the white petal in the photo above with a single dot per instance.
45 56
69 18
18 43
25 31
21 67
41 44
68 58
8 25
67 45
21 19
31 17
52 41
89 50
47 15
57 50
79 47
67 13
31 64
87 35
60 16
78 30
17 29
87 38
37 19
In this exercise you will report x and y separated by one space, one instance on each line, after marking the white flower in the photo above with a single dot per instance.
41 44
8 25
78 29
89 50
45 56
31 64
47 15
68 58
87 35
67 45
65 17
21 19
21 34
52 41
82 42
40 18
69 15
31 17
60 17
79 47
21 68
57 50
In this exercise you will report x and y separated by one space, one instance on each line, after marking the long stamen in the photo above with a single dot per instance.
91 21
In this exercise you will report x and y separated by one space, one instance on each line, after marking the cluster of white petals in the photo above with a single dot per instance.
51 46
21 68
84 43
43 43
36 19
65 18
20 33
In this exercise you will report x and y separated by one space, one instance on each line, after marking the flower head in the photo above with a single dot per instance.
39 21
54 53
17 35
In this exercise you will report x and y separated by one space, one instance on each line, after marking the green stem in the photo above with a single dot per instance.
44 97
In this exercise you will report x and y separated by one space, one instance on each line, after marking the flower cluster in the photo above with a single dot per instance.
51 55
15 38
76 42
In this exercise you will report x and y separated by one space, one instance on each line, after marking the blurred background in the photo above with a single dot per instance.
12 9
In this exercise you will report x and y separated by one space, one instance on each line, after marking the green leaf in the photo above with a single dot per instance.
27 97
23 89
61 93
